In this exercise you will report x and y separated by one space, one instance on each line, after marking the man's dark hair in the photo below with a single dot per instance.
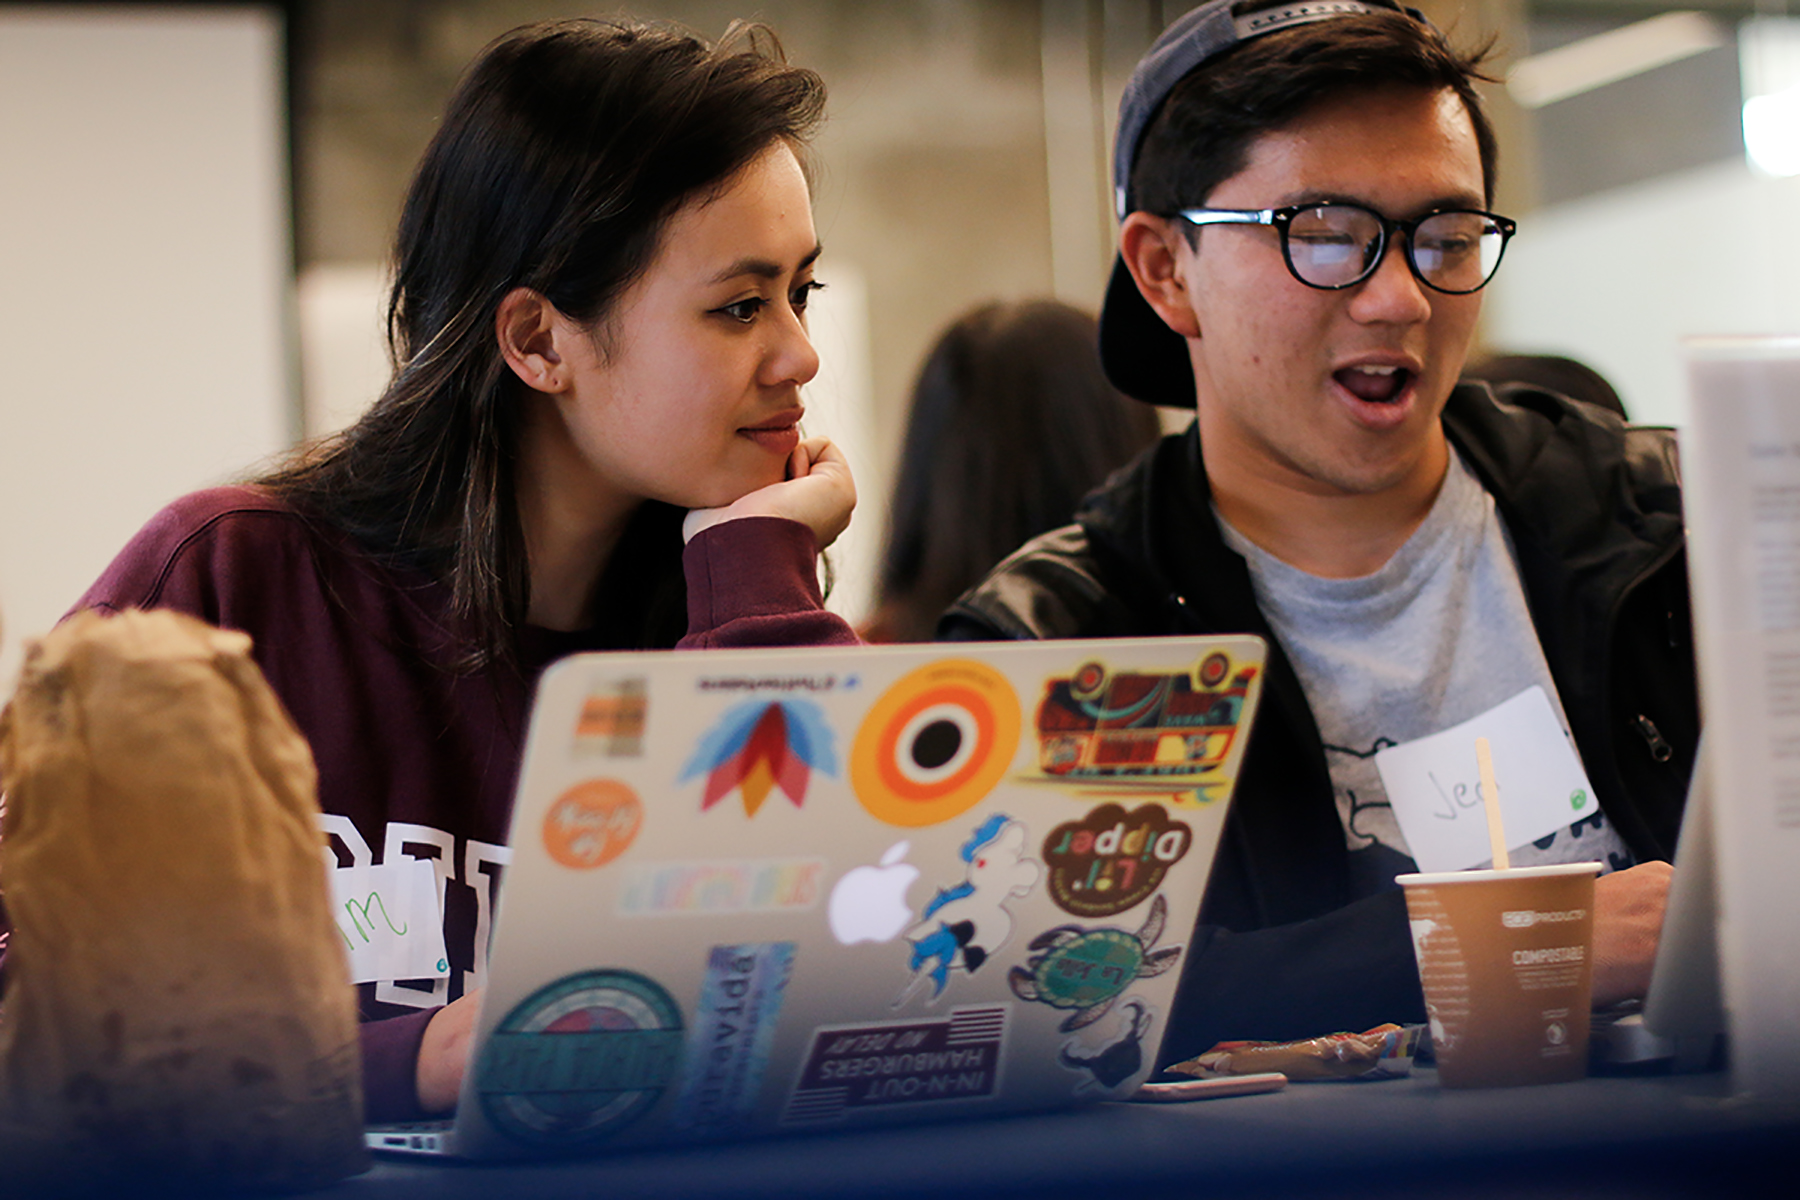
563 155
1202 134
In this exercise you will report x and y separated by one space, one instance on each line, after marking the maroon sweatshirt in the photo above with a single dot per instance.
414 757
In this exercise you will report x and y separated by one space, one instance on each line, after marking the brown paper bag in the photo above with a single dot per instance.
178 1007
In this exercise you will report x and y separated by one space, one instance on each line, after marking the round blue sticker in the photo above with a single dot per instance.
579 1059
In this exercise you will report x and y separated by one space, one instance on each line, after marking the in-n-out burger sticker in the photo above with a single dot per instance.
860 1067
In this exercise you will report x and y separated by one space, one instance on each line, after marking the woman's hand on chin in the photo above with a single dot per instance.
818 492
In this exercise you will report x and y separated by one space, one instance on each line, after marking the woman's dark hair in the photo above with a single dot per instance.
1012 422
564 152
1202 134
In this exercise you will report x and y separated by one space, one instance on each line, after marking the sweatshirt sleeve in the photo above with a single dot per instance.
754 582
390 1061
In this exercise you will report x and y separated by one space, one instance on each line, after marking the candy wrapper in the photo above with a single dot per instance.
1384 1052
178 1012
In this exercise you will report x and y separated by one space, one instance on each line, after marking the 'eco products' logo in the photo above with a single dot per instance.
1525 918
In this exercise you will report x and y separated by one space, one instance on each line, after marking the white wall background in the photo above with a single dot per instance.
144 277
1618 279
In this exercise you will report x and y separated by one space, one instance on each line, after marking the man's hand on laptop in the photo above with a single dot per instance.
444 1053
1628 917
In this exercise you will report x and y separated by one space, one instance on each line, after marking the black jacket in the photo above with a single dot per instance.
1594 510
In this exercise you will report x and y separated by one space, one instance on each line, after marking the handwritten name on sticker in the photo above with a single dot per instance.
612 718
760 746
733 1031
1085 970
858 1067
672 889
592 823
579 1059
1432 783
1111 860
390 920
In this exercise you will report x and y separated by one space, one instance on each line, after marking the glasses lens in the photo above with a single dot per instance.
1333 245
1457 251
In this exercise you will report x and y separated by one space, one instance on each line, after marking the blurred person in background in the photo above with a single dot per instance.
1012 423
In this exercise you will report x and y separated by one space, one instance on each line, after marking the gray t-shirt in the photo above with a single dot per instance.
1439 635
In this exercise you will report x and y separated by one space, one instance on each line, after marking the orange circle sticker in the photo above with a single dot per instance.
592 823
936 743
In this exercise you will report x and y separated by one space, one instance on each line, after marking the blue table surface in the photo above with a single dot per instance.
1647 1136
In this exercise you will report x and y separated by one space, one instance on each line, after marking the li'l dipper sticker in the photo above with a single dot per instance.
592 823
579 1059
1085 970
935 744
733 1031
852 1068
762 746
1123 731
1111 860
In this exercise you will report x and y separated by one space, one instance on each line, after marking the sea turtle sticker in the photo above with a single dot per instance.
580 1058
1085 970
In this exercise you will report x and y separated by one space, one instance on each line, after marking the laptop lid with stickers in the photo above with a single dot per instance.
757 892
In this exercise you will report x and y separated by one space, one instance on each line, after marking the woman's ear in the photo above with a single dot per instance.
525 327
1151 249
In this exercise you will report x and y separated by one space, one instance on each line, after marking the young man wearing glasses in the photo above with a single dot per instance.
1302 191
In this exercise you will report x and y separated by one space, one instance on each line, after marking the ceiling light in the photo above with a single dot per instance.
1609 57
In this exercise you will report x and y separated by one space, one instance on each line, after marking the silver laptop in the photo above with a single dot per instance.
1683 1016
756 892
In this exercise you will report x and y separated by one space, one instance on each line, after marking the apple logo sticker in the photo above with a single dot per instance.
869 903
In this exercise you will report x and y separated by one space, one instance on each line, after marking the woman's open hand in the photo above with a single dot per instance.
818 492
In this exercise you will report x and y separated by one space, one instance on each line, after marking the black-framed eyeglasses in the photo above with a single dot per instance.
1333 245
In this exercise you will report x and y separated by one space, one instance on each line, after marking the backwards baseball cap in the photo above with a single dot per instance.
1142 356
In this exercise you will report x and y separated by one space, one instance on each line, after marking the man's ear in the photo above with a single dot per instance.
526 327
1151 249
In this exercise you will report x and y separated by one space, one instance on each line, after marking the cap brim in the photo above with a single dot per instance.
1143 357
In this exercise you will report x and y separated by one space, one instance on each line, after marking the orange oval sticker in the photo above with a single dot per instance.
592 823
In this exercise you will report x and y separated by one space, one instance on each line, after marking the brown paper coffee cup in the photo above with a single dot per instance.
1506 960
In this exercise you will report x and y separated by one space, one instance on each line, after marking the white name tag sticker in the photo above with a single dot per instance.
1434 784
390 921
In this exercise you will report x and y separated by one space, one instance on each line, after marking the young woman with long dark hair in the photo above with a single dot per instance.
598 328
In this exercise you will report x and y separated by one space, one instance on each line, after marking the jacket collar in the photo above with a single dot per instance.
1576 486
